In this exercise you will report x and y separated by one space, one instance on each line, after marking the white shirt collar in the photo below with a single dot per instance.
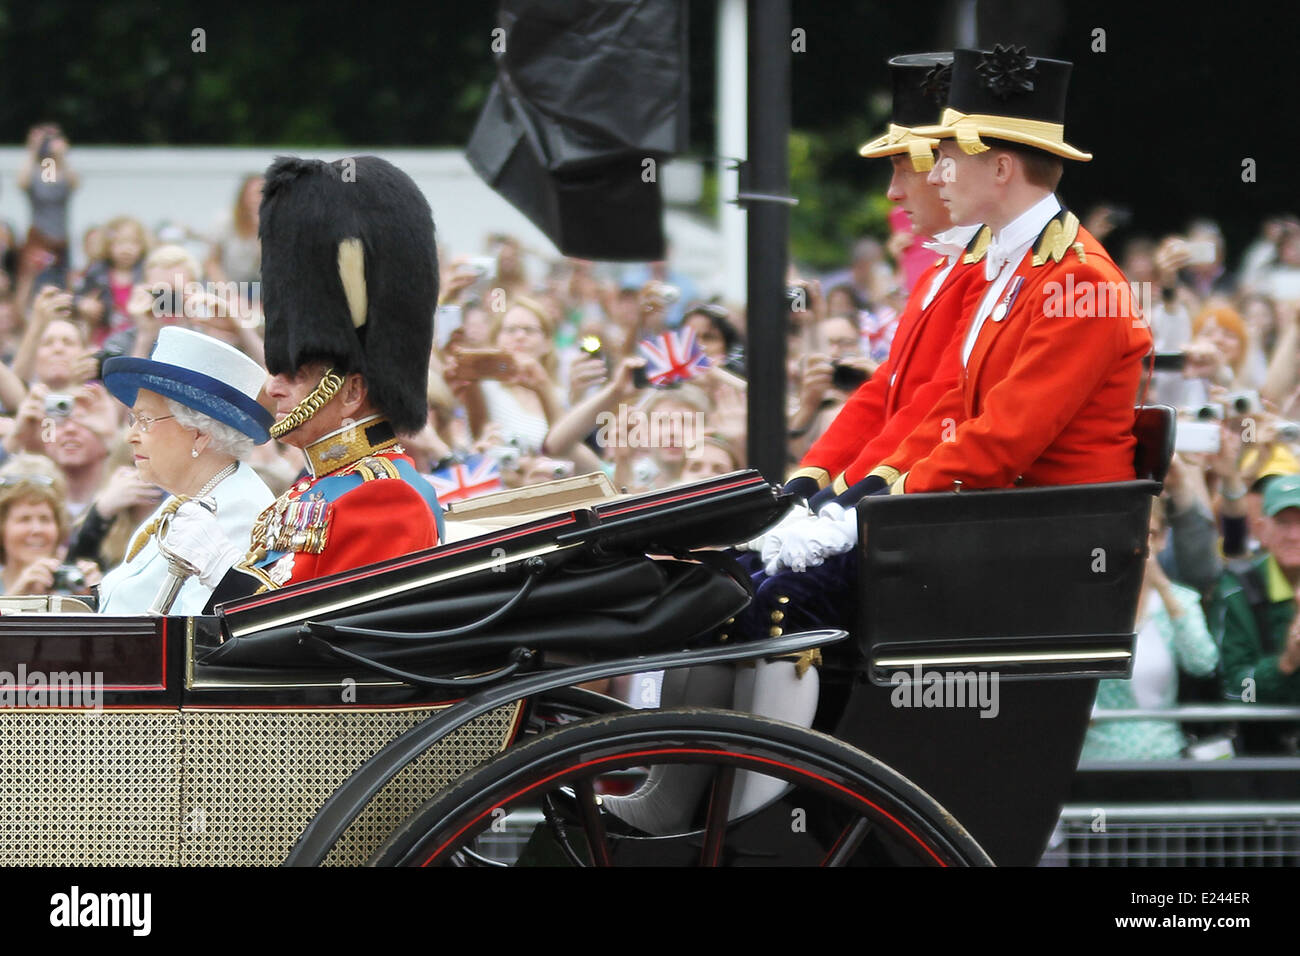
1019 233
952 242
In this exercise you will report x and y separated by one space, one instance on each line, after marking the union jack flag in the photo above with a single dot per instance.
478 475
673 356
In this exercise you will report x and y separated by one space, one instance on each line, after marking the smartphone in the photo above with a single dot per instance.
1170 361
446 321
484 363
482 266
1196 437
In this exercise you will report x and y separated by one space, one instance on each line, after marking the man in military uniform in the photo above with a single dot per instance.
1049 374
350 284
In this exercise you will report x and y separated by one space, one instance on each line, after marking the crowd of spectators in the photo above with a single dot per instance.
539 372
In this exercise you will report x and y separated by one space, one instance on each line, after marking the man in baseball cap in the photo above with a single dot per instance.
1253 612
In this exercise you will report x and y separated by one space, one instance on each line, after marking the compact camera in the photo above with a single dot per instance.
68 578
59 405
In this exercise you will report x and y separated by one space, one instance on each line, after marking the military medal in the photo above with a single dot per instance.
1002 308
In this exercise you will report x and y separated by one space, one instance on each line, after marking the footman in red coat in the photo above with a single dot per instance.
923 360
1048 383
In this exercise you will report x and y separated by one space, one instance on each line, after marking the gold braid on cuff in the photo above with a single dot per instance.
886 472
329 385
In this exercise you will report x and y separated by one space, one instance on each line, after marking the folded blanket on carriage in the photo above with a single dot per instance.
621 577
583 607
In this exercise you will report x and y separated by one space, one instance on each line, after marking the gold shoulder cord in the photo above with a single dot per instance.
329 385
149 530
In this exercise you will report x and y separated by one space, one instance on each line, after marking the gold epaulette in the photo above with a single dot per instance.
1058 238
978 246
375 467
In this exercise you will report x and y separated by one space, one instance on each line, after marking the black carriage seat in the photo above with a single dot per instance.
1153 427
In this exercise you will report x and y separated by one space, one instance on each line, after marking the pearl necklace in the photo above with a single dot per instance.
217 479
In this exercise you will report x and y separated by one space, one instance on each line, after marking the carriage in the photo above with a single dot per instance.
408 712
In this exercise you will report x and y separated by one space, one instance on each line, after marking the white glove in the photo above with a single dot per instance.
807 544
772 536
195 538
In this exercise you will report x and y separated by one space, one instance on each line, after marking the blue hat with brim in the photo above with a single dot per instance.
226 390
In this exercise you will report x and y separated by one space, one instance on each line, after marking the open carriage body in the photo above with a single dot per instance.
400 712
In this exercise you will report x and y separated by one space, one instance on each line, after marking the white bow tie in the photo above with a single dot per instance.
947 249
994 259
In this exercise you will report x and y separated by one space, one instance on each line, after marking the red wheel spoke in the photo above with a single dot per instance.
591 822
715 828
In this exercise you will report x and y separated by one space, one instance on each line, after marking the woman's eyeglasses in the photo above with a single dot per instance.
144 421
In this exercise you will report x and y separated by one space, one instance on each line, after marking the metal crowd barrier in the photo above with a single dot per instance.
1234 811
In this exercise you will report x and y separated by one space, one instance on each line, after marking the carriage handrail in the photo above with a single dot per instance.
1181 810
1203 713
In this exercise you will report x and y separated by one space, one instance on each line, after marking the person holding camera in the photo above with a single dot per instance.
48 179
53 350
1218 351
33 524
512 385
72 429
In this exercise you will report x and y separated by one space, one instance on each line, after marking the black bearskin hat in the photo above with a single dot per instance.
350 277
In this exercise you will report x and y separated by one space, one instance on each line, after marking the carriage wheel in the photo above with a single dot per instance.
838 807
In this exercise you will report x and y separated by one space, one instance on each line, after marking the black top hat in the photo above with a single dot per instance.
1008 95
350 277
920 93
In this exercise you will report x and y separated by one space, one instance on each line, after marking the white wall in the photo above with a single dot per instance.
196 187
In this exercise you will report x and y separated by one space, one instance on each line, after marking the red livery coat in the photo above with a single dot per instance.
924 362
1047 395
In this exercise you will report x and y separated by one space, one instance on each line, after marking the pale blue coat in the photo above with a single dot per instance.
130 588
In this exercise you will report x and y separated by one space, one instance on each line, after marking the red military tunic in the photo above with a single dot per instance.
1047 394
371 506
924 362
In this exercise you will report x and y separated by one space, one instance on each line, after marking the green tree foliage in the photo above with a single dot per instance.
294 74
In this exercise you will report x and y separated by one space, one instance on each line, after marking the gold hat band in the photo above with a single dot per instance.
903 139
967 127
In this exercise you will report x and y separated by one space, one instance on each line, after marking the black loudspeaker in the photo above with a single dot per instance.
590 100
